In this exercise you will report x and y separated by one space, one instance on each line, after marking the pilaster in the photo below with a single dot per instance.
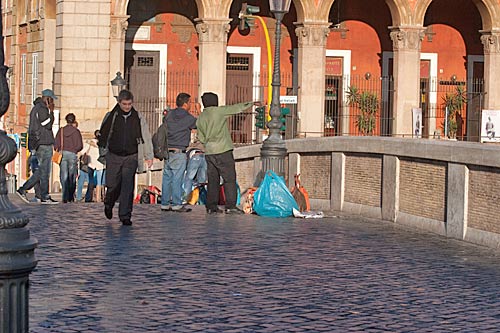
311 68
491 43
119 25
457 200
212 37
82 71
407 43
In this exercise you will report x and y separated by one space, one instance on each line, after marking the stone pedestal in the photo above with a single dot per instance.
17 256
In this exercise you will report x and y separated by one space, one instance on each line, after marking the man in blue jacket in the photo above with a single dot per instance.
179 123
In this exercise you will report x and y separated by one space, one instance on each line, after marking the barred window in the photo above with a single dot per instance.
238 63
145 61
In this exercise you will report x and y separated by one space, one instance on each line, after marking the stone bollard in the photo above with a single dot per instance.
17 253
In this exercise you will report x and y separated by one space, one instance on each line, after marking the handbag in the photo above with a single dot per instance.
84 162
103 151
57 155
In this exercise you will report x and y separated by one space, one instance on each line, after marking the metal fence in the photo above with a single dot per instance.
342 115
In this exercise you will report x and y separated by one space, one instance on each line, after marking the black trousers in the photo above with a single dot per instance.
221 165
120 182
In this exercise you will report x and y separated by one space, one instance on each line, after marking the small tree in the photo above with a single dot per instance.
454 102
368 104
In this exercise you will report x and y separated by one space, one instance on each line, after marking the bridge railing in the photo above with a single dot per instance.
447 187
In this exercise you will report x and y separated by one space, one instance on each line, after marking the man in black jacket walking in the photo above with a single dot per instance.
126 134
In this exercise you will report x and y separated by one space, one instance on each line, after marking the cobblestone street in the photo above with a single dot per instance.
175 272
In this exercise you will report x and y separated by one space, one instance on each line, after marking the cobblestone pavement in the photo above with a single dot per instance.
175 272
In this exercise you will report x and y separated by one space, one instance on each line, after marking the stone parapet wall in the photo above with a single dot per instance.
484 199
447 187
363 179
315 173
422 189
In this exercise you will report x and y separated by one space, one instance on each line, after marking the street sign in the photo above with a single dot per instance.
288 99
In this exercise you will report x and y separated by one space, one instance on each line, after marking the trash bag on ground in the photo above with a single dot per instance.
272 198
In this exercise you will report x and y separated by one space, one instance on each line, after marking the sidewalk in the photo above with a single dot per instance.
192 272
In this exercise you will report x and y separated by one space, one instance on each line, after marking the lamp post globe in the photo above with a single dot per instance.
273 149
118 84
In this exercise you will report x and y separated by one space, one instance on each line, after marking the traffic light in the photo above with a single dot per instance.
260 117
284 112
246 21
24 139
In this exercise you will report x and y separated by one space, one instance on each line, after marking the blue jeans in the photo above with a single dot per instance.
44 155
173 174
196 169
68 173
34 180
90 178
82 178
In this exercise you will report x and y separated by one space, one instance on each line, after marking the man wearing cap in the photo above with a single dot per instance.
41 140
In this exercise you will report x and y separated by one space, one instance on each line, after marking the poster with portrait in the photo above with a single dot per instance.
490 126
417 122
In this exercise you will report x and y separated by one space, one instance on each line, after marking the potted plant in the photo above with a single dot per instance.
453 102
368 104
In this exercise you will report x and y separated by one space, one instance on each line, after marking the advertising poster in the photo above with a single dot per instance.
417 122
490 126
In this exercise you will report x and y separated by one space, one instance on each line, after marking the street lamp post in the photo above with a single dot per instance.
17 249
118 84
273 149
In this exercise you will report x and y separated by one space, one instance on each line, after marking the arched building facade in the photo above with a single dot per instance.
408 53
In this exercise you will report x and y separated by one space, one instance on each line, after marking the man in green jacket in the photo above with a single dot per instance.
213 132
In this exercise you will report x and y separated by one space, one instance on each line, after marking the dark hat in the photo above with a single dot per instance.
48 93
210 99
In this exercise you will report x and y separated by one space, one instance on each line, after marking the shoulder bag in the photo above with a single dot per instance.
57 155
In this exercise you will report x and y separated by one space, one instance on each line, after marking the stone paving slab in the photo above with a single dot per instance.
174 272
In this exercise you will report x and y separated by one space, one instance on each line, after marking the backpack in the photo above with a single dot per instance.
160 149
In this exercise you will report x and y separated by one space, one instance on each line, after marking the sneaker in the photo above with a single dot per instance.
165 208
183 209
126 222
108 211
22 195
49 201
215 211
234 211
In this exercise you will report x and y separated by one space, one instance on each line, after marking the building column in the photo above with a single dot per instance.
119 24
212 37
407 42
82 70
311 69
491 43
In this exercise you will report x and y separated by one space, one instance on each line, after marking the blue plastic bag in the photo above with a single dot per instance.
272 198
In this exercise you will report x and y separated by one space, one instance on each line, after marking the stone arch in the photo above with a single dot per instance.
120 8
400 11
488 9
